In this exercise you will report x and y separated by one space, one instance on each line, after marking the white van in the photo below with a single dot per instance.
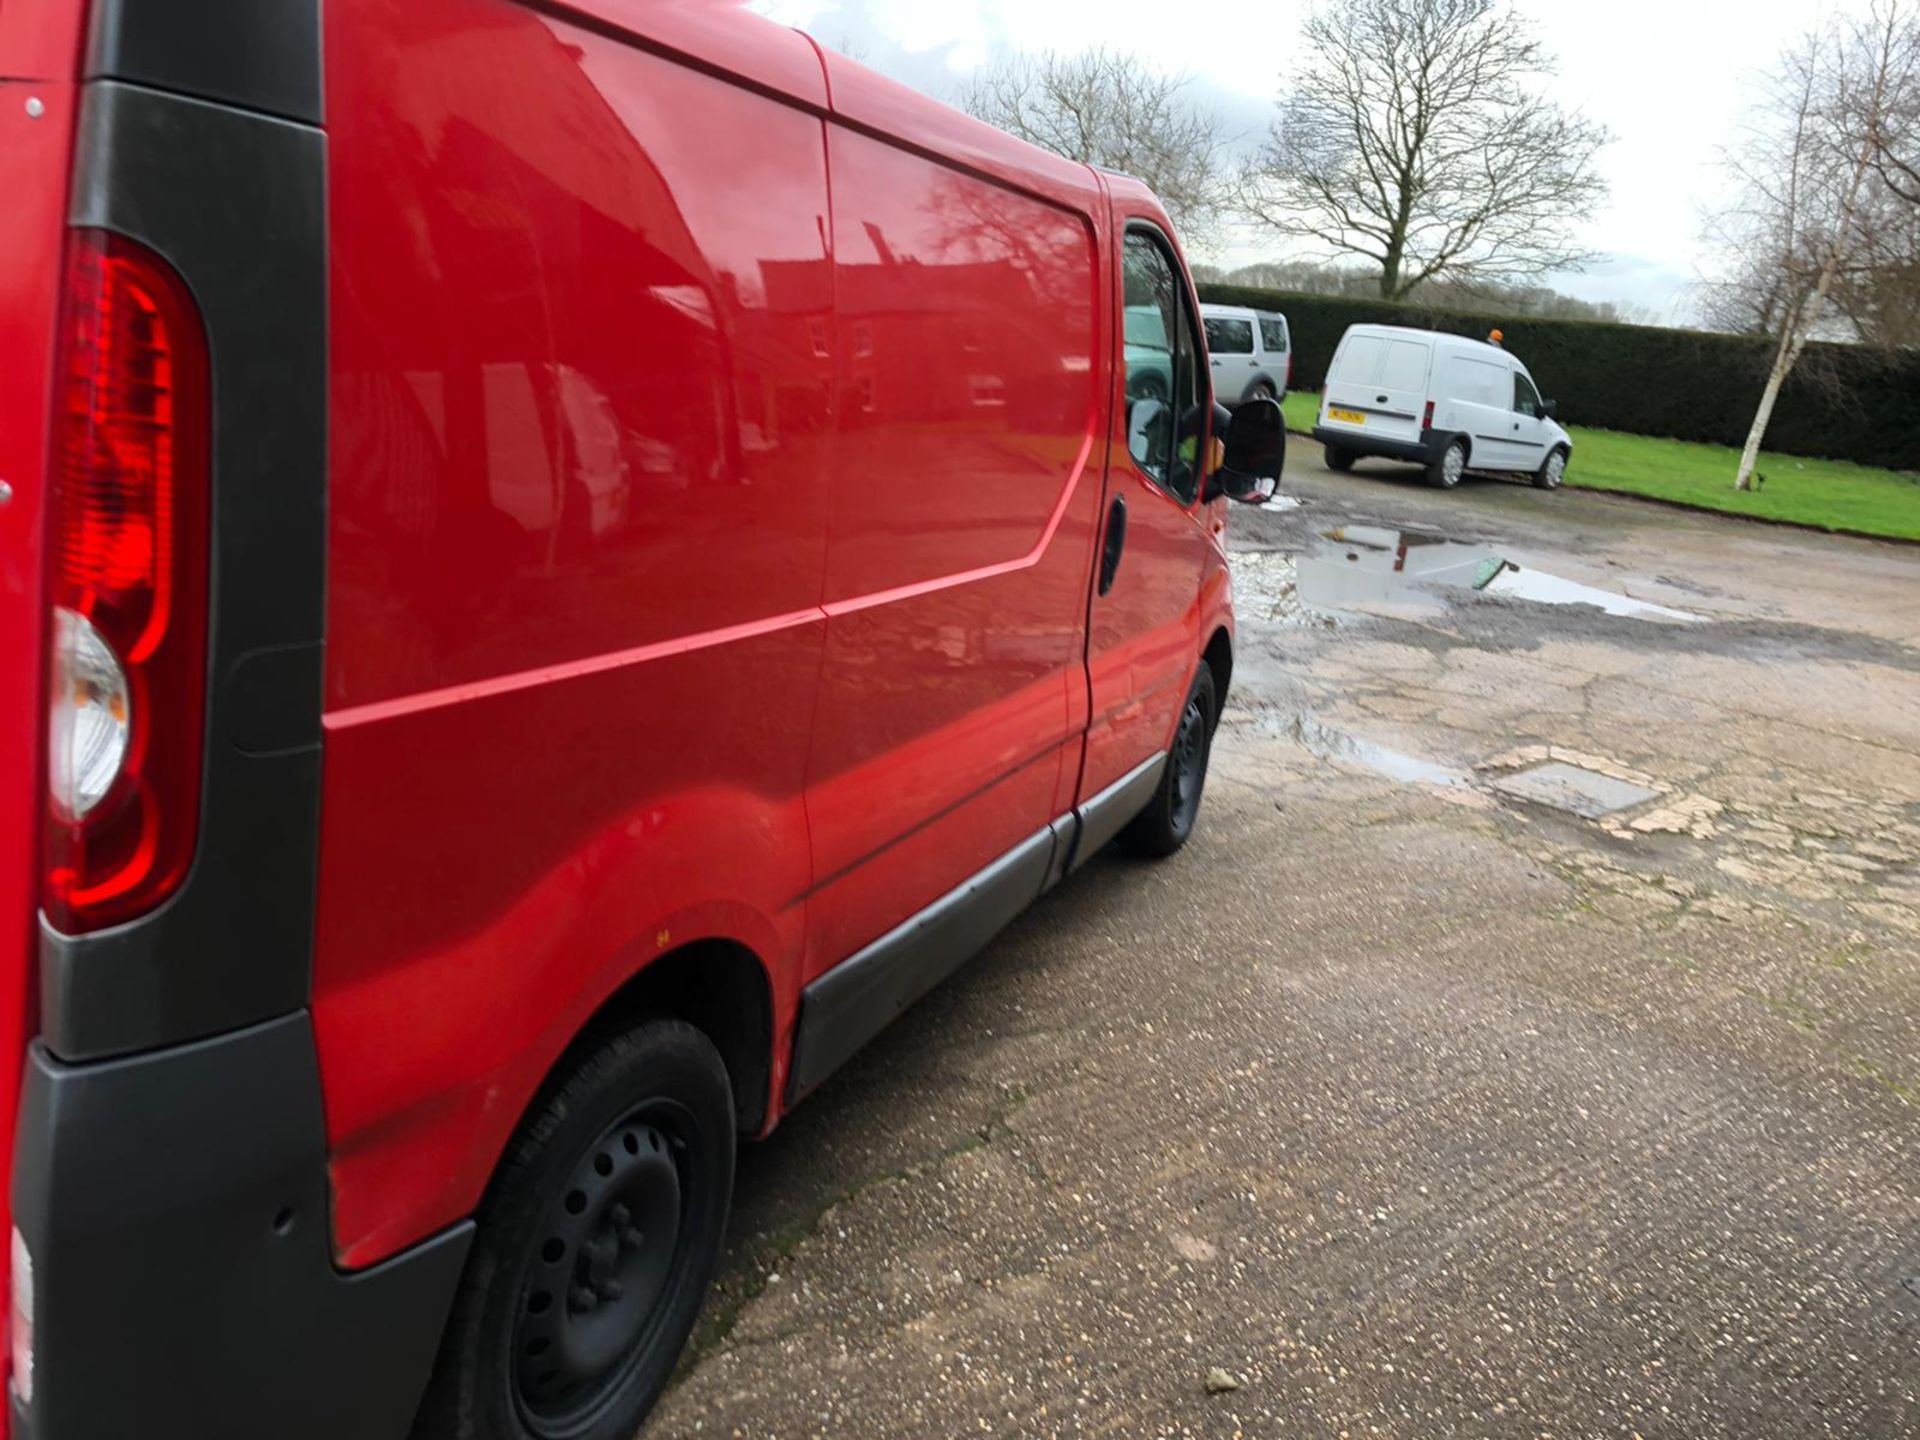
1251 353
1442 401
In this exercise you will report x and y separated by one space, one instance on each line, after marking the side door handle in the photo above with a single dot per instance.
1115 543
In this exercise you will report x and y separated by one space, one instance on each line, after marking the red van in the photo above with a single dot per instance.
560 564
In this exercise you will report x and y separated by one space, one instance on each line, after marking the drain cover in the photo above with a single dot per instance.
1586 793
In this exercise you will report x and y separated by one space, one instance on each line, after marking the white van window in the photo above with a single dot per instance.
1359 359
1526 399
1273 333
1406 366
1226 336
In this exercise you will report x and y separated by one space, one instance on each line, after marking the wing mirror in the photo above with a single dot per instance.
1255 438
1550 409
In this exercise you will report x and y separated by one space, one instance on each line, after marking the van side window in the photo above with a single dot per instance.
1228 337
1526 399
1164 413
1273 334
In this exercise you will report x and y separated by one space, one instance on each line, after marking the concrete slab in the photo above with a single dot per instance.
1585 793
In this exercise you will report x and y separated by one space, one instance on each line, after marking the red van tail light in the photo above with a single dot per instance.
1426 422
130 495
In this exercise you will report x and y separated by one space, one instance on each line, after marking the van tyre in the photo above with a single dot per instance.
1338 459
1448 470
596 1242
1552 470
1167 822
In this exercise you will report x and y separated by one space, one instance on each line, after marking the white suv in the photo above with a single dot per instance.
1251 351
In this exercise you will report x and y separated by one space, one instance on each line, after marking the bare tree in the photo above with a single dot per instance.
1818 182
1878 293
1419 140
1104 107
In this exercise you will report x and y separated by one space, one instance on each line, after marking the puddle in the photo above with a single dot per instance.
1360 565
1330 744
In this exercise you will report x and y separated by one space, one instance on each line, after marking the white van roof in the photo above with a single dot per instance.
1441 338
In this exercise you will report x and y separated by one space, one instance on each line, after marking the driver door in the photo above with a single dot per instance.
1143 623
1529 446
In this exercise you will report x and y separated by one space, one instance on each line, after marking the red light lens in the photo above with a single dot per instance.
130 499
1427 423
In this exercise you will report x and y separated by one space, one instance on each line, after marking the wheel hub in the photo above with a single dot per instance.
598 1274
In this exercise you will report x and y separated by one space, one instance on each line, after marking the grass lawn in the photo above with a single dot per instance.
1826 494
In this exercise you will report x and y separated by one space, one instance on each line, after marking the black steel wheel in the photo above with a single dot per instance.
592 1291
595 1246
1168 821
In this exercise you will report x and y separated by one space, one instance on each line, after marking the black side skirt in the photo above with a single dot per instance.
857 999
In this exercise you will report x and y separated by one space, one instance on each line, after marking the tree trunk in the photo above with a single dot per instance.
1783 357
1390 276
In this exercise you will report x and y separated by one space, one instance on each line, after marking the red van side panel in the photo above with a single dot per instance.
579 490
964 497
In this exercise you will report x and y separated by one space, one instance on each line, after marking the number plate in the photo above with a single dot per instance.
1345 417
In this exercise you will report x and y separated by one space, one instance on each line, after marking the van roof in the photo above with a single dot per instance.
1445 338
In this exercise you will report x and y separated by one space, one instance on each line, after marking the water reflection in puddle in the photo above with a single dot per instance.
1369 565
1330 744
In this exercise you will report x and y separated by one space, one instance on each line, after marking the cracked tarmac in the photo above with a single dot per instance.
1415 1108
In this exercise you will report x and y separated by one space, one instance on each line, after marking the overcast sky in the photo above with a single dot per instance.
1672 79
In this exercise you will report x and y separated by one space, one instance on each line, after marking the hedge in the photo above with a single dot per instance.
1843 403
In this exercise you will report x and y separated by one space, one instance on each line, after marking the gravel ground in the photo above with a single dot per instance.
1400 1104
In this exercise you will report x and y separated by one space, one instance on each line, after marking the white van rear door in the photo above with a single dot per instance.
1378 386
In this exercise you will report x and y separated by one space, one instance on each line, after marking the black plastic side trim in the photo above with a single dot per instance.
175 1206
260 54
1107 814
236 202
857 999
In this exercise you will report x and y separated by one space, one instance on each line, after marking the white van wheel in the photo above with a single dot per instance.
1552 471
1447 471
